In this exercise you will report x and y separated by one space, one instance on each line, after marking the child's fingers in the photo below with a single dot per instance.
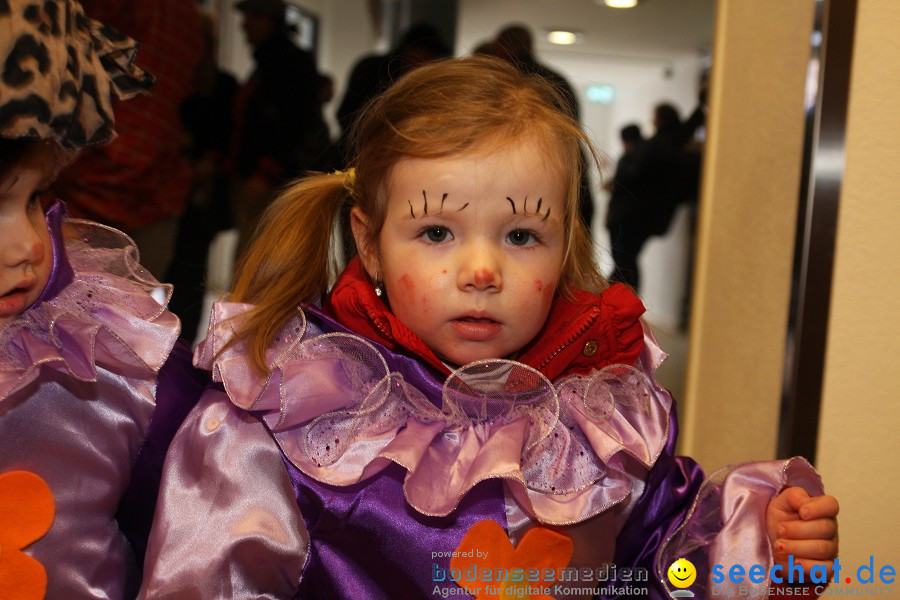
817 529
819 507
805 549
789 500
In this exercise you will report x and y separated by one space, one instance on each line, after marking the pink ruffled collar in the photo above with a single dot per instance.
107 316
568 449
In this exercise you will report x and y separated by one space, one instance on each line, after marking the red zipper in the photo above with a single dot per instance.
578 333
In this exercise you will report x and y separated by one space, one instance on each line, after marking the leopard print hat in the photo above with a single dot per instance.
58 72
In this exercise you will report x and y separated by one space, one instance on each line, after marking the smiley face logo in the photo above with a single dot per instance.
682 573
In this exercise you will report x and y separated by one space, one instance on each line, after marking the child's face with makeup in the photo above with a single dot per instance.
472 248
25 257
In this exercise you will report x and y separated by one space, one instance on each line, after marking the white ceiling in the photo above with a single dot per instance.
653 29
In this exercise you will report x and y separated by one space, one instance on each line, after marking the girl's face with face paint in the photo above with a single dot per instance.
471 250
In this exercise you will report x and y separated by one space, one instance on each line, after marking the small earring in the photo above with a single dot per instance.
376 283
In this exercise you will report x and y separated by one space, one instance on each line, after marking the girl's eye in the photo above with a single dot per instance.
437 234
521 237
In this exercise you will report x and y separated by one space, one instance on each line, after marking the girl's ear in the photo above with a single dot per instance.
365 245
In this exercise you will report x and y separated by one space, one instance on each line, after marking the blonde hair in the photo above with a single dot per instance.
442 109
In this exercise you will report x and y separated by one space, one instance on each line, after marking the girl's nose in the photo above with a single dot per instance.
480 270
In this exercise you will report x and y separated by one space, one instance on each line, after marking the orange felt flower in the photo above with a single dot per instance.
26 514
501 571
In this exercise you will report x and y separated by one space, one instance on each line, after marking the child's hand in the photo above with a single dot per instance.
804 527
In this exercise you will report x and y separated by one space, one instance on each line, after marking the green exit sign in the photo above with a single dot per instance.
600 93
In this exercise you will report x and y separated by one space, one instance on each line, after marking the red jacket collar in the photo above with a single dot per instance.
582 334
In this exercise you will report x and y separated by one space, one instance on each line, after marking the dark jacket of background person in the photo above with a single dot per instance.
665 174
279 117
652 179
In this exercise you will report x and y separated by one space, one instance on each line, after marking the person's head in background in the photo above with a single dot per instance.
420 44
514 43
261 19
665 117
631 136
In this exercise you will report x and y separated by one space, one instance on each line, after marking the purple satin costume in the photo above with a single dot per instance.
93 385
341 473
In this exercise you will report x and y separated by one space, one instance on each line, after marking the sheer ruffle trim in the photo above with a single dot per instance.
568 450
107 316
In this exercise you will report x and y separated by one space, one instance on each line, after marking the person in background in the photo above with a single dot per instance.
660 174
279 128
624 215
94 381
207 115
140 182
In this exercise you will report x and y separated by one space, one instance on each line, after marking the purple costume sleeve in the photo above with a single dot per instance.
672 485
178 389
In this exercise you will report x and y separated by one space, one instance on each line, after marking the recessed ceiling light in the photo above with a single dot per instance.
621 3
563 38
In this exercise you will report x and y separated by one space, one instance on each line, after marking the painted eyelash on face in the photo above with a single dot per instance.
425 212
536 212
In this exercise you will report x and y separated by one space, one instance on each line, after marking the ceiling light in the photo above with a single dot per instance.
621 3
563 38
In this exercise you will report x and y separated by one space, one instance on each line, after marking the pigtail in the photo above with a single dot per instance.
289 259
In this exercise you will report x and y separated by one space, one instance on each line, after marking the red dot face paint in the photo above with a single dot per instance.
483 277
407 284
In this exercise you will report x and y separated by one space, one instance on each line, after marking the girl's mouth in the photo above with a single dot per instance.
12 302
476 329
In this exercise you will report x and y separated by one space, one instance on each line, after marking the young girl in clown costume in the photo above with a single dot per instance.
93 379
469 392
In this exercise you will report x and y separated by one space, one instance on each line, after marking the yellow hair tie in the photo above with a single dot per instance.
349 177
